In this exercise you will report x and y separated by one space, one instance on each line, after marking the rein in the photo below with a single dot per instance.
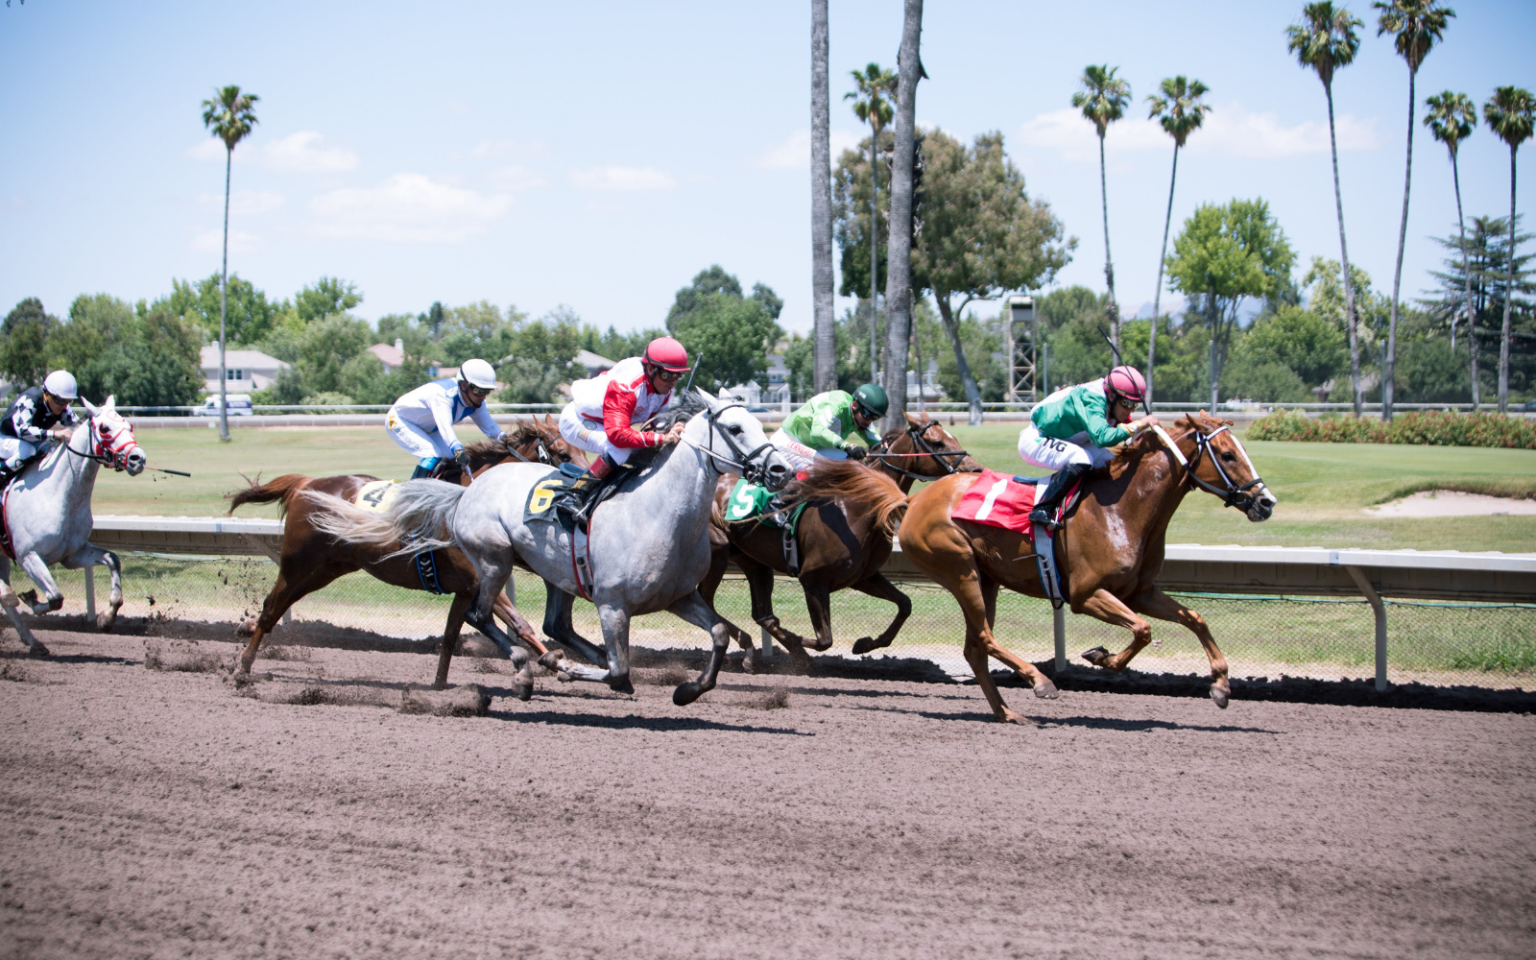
916 431
743 462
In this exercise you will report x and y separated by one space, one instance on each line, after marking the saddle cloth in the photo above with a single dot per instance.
749 500
539 509
375 497
997 501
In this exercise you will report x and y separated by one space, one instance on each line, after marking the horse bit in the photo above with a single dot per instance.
919 442
1234 495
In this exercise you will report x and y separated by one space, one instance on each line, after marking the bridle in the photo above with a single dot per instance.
108 447
744 462
1234 494
919 442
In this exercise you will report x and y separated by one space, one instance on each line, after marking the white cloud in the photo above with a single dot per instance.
407 207
301 152
516 178
794 153
1230 130
622 178
213 241
243 202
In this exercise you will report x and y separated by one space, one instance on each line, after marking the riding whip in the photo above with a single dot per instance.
689 385
1161 433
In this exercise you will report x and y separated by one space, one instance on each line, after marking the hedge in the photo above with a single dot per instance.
1432 427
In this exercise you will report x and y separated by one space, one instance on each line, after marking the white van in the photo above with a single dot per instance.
239 406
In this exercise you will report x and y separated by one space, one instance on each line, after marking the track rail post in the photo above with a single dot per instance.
1059 628
90 592
1380 610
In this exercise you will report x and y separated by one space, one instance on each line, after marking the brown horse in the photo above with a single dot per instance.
310 559
1109 552
844 536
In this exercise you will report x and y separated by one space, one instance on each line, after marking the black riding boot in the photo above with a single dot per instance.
1046 503
575 501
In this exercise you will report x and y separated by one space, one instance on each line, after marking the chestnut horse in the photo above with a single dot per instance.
311 559
844 535
1109 551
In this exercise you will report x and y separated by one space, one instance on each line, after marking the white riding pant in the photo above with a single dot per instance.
416 441
800 456
13 450
581 433
1052 454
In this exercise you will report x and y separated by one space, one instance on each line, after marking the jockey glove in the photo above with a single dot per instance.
854 451
461 456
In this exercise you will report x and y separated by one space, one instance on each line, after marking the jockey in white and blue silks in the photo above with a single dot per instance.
35 417
421 422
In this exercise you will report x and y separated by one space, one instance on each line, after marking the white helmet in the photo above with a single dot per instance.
61 383
478 373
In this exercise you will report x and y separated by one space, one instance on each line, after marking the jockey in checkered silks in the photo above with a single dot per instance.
35 417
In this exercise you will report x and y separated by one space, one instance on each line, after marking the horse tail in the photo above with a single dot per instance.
420 518
865 489
281 488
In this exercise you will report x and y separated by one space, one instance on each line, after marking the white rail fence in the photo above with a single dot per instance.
1284 571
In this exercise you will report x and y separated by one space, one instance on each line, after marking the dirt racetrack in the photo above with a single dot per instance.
158 813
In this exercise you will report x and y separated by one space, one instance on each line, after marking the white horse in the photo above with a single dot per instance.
649 543
48 515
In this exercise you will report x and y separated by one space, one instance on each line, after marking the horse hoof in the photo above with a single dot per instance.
749 662
1096 656
1046 690
864 645
522 691
686 693
38 650
551 661
622 685
1008 716
104 621
1221 694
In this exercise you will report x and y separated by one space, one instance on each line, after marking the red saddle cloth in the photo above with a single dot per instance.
997 501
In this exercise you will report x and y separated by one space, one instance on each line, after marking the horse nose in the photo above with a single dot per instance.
136 462
778 473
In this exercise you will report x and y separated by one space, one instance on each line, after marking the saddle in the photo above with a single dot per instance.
999 501
753 501
375 497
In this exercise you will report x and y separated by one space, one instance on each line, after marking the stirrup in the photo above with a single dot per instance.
1043 518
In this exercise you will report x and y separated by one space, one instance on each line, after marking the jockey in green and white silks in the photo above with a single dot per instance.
822 426
1072 430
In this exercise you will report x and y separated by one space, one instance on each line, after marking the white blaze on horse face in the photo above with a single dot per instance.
1263 489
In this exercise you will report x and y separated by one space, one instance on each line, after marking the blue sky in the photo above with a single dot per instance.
598 155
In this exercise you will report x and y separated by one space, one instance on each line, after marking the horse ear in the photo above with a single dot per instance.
111 403
91 406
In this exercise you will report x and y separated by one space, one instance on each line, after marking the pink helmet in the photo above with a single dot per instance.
666 353
1127 382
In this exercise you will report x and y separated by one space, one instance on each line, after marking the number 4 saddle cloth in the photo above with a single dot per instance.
375 497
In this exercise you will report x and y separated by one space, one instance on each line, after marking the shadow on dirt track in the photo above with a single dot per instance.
1342 692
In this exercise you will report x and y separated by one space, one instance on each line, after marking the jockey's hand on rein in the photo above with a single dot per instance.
854 451
461 456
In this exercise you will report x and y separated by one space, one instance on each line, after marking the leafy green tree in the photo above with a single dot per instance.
852 189
1177 107
1451 117
1431 372
732 336
875 86
322 354
478 330
233 305
326 296
24 343
1415 26
705 283
148 359
541 358
230 115
1224 255
980 236
1324 41
1302 341
1475 281
1508 114
1103 100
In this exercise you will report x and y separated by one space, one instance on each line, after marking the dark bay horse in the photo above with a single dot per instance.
844 535
311 559
1109 552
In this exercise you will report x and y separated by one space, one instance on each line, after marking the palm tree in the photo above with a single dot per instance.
1452 118
822 302
230 115
1180 112
1103 100
875 86
1508 113
1416 26
1324 41
898 282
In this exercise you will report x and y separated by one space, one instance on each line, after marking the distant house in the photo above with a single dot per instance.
391 357
754 394
591 362
244 370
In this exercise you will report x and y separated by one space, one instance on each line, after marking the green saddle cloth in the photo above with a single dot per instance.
749 500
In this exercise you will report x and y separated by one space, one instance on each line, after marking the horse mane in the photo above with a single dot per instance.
860 488
1148 442
684 405
488 452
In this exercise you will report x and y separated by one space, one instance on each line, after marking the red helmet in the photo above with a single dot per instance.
666 353
1127 382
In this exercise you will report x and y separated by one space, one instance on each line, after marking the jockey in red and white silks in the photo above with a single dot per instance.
604 410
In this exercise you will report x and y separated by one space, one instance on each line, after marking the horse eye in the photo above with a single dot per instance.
105 431
736 429
1230 458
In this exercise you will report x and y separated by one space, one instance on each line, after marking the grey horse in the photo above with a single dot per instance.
649 543
48 515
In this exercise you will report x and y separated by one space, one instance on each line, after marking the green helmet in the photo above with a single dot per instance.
872 397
